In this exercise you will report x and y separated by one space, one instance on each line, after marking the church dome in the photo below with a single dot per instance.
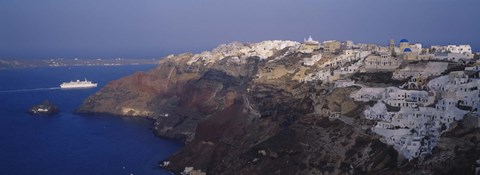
404 41
407 50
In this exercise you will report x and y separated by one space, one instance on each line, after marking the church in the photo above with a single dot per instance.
405 50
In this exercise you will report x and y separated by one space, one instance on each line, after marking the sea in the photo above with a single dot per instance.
69 143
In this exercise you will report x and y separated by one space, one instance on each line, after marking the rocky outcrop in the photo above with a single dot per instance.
44 108
176 94
243 112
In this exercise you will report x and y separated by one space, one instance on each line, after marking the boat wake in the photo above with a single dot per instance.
27 90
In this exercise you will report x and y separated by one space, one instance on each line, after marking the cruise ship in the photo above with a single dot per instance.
78 84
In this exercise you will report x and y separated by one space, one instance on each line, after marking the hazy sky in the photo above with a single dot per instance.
155 28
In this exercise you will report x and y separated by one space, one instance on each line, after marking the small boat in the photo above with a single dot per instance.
78 84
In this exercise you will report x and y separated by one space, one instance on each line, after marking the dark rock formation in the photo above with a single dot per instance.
44 108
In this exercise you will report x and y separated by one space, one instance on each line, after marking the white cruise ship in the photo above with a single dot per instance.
78 84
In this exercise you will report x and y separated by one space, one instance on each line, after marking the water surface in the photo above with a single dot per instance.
69 143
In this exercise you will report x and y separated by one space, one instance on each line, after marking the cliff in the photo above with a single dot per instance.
245 109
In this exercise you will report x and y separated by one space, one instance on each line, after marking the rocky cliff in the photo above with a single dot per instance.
245 112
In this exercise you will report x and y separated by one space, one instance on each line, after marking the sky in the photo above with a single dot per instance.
33 29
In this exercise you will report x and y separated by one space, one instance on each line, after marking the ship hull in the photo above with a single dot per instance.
78 87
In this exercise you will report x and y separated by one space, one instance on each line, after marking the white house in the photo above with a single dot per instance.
462 49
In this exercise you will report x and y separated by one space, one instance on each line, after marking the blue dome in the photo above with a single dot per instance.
404 41
407 50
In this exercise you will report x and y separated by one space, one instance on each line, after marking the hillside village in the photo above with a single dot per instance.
372 107
439 85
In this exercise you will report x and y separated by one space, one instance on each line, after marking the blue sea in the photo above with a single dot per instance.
69 143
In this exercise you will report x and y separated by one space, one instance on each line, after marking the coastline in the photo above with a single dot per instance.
148 118
6 64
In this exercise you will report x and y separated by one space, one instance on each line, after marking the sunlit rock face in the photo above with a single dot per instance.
279 107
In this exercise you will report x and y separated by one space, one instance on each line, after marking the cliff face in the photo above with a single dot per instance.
176 94
244 114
